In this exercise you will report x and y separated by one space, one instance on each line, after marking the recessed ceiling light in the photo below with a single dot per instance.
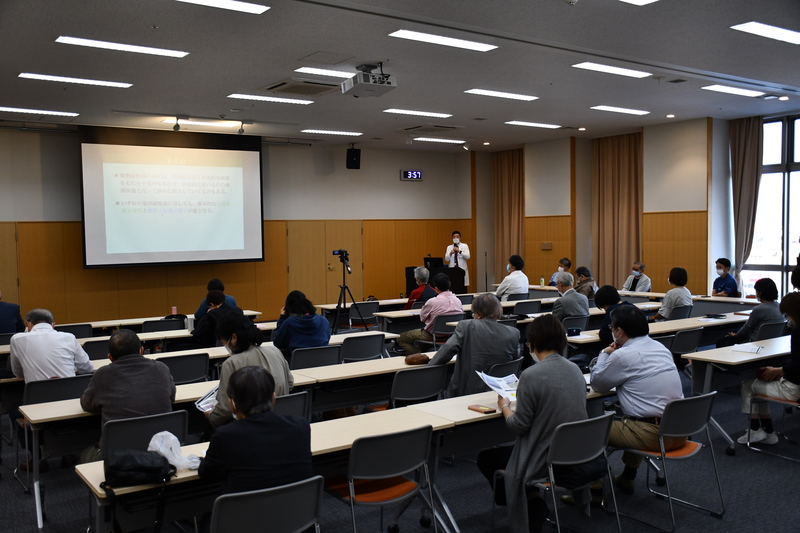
439 140
533 124
733 90
581 129
417 113
670 116
770 32
333 132
325 72
274 99
608 69
639 2
37 111
188 122
121 47
500 94
623 110
445 41
783 98
232 5
486 144
46 77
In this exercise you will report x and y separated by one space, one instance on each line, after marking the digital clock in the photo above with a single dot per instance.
411 175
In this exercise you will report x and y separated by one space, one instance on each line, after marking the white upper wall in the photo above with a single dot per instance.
547 172
676 166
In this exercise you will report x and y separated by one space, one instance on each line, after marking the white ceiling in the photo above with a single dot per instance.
538 41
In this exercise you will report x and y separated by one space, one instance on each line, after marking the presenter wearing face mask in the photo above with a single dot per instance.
457 255
638 280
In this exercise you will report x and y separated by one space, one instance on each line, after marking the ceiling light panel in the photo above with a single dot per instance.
445 41
82 81
770 32
608 69
273 99
106 45
733 90
639 2
189 122
623 110
532 124
36 112
325 72
417 113
231 5
439 140
500 94
334 132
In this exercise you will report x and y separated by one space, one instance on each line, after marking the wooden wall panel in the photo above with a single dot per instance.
271 278
344 235
89 292
186 287
542 263
308 259
41 252
143 292
380 260
676 239
9 272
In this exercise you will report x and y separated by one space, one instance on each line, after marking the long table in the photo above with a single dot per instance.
127 322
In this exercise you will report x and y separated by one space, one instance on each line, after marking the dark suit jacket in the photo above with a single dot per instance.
10 319
261 451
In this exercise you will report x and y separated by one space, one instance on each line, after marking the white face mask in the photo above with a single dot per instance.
616 339
228 349
668 281
456 240
561 269
508 268
636 273
720 272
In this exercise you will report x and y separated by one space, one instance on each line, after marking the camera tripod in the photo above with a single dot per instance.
344 291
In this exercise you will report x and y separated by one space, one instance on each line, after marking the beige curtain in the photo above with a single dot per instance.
508 178
616 206
746 154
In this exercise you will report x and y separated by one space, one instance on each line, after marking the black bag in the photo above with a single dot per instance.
125 468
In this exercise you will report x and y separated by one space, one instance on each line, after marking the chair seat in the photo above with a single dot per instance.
784 401
374 490
688 449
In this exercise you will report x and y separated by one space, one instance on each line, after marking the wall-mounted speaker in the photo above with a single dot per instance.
353 158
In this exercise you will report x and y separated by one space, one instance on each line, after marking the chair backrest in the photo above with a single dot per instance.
296 404
666 340
578 442
96 349
414 385
171 324
512 322
417 305
686 341
317 356
179 316
682 311
440 326
5 338
466 299
289 508
501 370
367 310
770 330
390 454
575 322
514 297
135 433
54 390
686 416
527 308
189 368
81 331
363 347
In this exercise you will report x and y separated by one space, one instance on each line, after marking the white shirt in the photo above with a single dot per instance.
675 297
642 286
463 255
515 283
44 353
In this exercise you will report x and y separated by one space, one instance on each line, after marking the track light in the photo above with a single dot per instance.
241 129
177 126
465 146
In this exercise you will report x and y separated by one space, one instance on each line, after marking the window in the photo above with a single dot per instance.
776 237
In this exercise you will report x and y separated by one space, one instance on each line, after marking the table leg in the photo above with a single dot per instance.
702 376
36 489
437 493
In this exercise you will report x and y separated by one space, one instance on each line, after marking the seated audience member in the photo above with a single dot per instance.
10 319
132 385
725 284
646 379
261 449
607 299
516 282
205 331
638 280
586 284
479 344
677 296
44 353
243 340
445 303
571 303
564 265
299 325
551 392
767 311
423 292
213 285
775 381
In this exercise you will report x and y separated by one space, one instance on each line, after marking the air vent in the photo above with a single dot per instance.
431 128
301 87
677 80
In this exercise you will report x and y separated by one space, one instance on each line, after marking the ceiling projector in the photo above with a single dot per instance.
368 84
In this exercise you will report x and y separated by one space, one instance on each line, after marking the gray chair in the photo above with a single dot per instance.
501 370
441 331
362 315
415 385
171 324
527 308
685 341
81 331
289 508
788 406
135 433
189 368
515 297
683 418
296 404
5 338
317 356
666 340
466 299
417 305
770 330
575 322
363 348
96 349
682 311
377 468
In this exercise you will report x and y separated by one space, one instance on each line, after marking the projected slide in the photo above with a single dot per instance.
160 205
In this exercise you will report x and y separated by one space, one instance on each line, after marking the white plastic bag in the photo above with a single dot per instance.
168 445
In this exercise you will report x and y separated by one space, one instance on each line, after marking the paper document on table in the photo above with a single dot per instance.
209 401
710 319
747 348
580 336
505 387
